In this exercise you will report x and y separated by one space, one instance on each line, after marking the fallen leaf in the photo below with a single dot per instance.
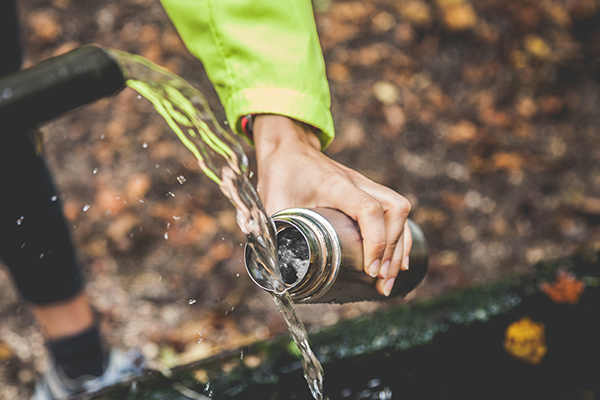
459 17
526 107
385 92
334 32
537 46
395 116
337 72
525 340
120 227
137 186
351 11
5 352
507 161
352 135
384 21
370 55
109 200
589 205
557 13
551 105
453 201
493 117
45 25
567 289
415 11
461 132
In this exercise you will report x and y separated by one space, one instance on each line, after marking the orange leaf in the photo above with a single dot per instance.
567 289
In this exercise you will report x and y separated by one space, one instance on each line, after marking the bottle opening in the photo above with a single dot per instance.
293 255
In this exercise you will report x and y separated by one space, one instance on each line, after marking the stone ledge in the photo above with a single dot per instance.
451 347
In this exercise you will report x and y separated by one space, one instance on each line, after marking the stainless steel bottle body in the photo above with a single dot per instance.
321 258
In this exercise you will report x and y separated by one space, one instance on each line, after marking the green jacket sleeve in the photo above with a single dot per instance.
262 56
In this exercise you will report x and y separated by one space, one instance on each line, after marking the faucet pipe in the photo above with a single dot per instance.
56 85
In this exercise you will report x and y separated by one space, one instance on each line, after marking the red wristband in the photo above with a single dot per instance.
247 123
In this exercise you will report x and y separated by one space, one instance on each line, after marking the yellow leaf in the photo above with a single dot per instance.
525 340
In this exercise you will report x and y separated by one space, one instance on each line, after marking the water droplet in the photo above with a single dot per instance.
373 383
171 194
95 171
242 355
41 256
166 235
54 198
176 218
251 174
157 166
139 96
86 207
192 301
181 179
102 136
20 220
145 145
7 93
237 275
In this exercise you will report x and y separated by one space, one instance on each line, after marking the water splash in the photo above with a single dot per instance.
222 159
219 153
313 371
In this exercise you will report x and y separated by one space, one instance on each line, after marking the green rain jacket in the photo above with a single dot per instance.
262 56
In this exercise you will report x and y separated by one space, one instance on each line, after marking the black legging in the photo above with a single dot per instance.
34 239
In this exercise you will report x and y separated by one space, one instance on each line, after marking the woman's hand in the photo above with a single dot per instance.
293 172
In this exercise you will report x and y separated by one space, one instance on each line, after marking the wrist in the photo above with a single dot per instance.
272 131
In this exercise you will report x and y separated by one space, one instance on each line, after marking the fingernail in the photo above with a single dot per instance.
385 269
389 285
374 268
405 265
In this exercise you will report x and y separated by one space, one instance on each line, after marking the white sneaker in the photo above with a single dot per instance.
55 385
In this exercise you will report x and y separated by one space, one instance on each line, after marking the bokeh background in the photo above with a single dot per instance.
483 114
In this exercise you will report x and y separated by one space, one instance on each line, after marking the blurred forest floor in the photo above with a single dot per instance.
484 114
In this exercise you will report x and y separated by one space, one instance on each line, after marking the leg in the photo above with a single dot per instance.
36 246
35 242
66 318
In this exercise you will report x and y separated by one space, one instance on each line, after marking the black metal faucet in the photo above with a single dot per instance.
56 85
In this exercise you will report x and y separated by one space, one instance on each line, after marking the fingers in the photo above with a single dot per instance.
381 214
399 262
398 240
370 215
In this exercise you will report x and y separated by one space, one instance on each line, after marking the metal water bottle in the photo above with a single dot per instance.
320 255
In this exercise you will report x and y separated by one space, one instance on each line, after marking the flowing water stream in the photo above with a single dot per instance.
222 159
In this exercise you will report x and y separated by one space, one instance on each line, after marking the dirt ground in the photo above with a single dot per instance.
483 114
